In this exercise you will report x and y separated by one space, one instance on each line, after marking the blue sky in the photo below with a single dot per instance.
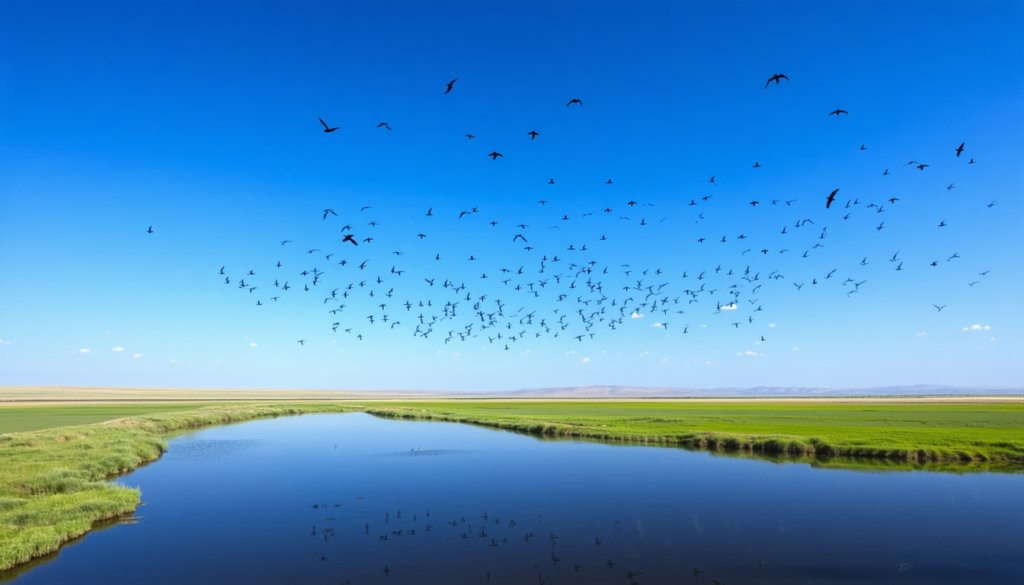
200 119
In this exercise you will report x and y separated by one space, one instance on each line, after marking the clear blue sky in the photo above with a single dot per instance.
200 120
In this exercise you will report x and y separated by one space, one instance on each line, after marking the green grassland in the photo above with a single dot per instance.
901 431
18 419
53 478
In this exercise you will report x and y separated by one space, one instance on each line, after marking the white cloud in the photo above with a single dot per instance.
976 328
796 349
637 316
729 307
748 352
253 344
708 363
664 359
84 351
174 361
657 325
439 351
2 342
136 356
771 324
703 325
118 348
586 359
921 334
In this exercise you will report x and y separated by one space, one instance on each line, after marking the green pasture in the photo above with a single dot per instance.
18 419
907 431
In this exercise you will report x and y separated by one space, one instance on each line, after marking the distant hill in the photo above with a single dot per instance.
759 391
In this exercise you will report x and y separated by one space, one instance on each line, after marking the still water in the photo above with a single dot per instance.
348 498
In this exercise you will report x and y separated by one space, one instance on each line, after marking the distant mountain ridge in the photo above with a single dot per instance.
759 391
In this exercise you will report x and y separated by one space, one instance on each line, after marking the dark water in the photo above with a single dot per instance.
265 501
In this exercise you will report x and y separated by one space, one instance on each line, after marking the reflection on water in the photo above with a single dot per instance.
349 498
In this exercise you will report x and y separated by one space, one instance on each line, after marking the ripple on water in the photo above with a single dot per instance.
208 450
427 453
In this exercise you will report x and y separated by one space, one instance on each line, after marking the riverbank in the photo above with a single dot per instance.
53 485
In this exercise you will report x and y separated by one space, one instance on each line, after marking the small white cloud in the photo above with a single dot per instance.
174 361
84 351
119 348
136 356
703 325
976 327
664 359
439 351
922 334
657 325
637 316
586 359
771 324
796 349
253 344
729 307
708 363
2 342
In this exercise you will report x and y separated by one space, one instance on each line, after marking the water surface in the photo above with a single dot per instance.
339 498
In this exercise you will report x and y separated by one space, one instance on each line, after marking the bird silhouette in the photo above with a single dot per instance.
776 79
326 128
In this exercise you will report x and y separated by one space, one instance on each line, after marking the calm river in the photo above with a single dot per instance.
348 498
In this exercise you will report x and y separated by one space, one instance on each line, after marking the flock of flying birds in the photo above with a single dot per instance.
367 284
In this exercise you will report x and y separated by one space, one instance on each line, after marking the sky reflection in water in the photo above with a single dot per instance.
234 504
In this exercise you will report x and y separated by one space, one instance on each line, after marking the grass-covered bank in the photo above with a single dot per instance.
908 432
52 482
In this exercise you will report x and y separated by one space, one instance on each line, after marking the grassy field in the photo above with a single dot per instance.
901 431
19 419
53 478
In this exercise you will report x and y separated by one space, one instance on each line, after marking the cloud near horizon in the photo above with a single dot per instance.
118 348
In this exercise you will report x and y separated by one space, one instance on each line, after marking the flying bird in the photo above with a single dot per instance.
776 79
450 83
326 128
495 155
150 230
837 112
831 198
384 124
960 149
532 134
330 211
574 101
